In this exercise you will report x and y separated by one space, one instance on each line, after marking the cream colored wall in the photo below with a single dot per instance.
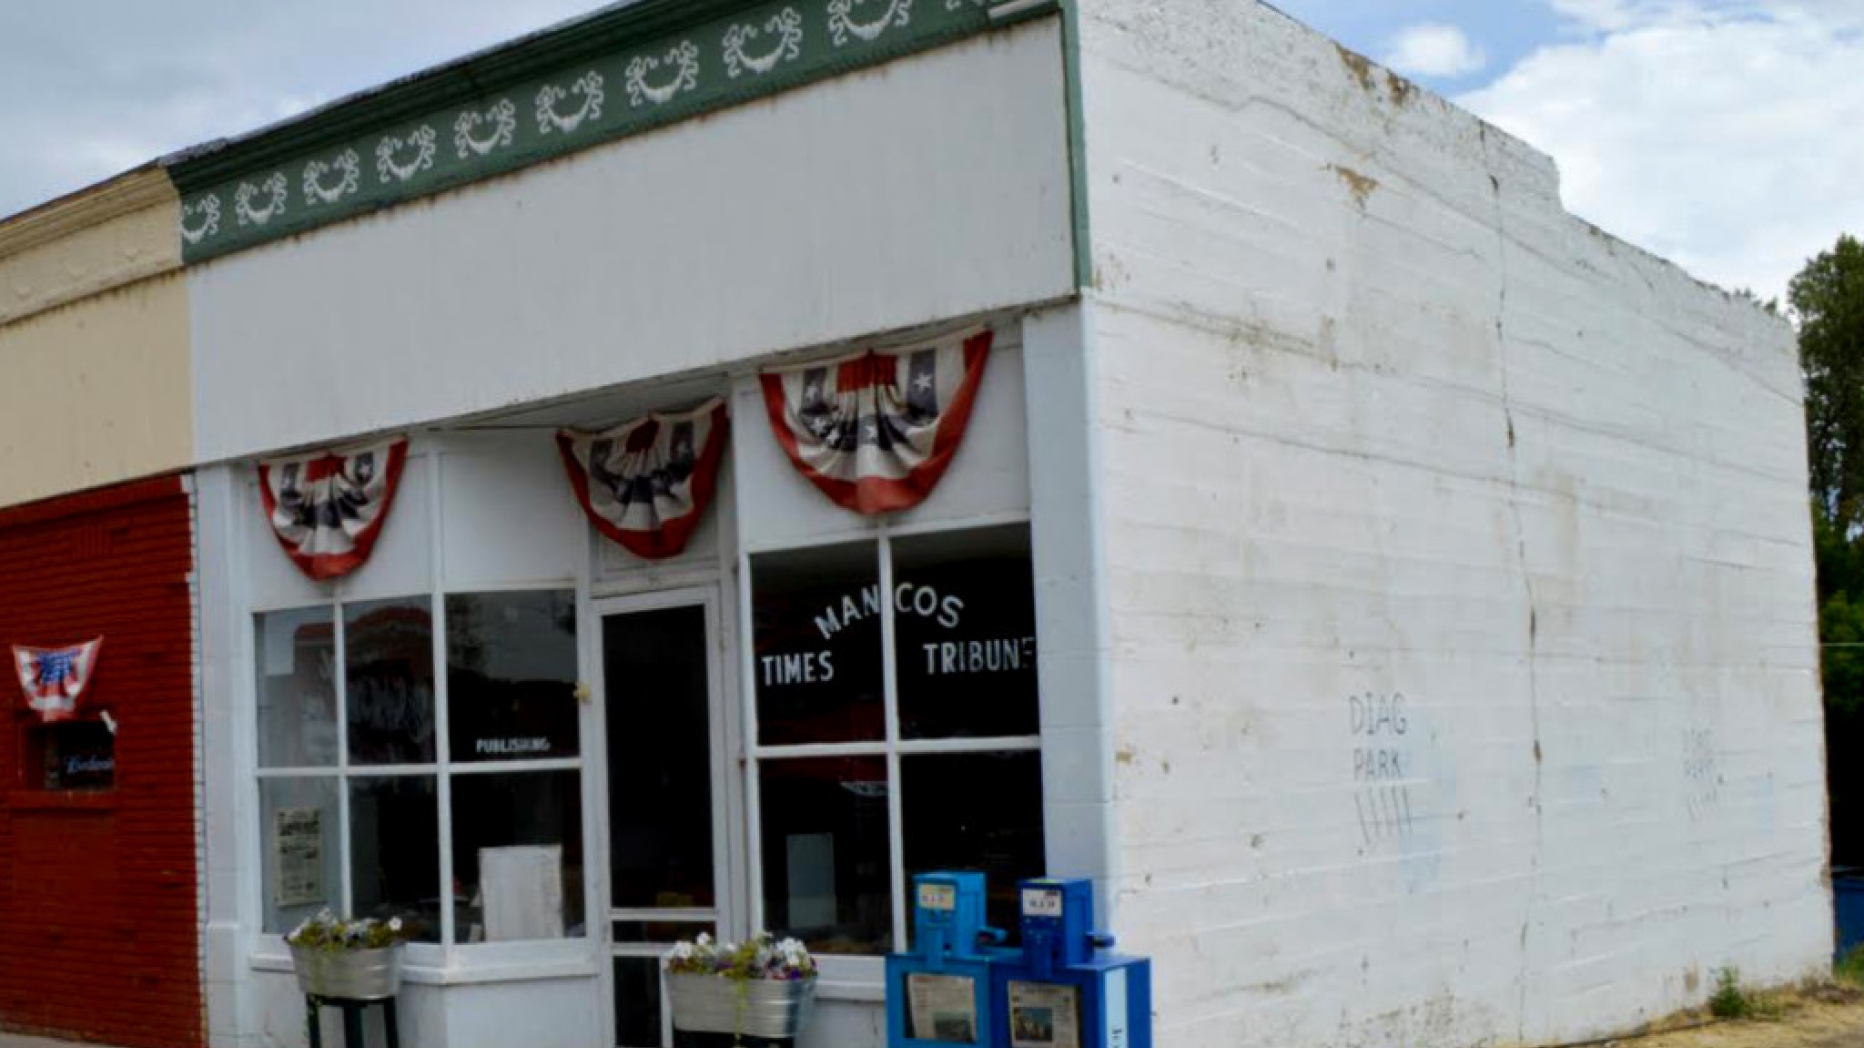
95 382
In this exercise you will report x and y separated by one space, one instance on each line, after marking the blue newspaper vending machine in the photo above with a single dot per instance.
939 994
1063 990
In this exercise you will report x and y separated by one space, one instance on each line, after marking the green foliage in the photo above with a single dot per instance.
334 934
1827 300
1732 1001
1827 297
763 956
1850 969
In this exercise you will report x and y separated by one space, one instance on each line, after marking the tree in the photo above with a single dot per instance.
1828 299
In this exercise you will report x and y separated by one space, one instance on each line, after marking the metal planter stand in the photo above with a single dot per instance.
349 980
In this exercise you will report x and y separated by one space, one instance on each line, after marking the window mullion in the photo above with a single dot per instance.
340 672
753 781
890 690
443 745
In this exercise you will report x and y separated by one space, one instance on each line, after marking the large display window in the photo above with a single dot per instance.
378 770
896 729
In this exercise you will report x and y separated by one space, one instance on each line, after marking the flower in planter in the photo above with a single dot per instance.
328 932
761 957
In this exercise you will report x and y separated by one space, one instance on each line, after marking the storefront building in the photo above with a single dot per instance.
100 841
694 468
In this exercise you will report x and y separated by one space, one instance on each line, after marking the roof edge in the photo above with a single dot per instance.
620 25
134 190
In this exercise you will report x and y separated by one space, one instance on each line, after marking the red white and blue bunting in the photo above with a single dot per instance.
646 484
328 507
875 431
54 679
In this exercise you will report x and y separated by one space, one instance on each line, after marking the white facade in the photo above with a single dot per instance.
1422 578
1463 660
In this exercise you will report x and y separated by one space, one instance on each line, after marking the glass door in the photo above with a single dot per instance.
666 785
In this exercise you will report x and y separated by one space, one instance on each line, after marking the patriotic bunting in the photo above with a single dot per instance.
875 431
55 678
646 484
328 507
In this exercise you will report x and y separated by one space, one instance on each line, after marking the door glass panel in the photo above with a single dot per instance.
640 932
637 1002
659 759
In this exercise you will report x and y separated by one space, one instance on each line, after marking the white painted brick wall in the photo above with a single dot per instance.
1381 419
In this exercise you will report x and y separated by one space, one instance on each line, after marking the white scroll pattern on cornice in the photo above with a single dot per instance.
274 189
502 118
589 86
785 27
348 167
843 23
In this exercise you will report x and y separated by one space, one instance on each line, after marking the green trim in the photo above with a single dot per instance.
1077 145
619 73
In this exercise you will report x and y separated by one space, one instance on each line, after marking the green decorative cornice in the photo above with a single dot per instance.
619 72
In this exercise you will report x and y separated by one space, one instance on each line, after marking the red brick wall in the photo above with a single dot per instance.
99 923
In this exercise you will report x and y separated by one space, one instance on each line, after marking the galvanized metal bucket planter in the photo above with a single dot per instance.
356 975
773 1009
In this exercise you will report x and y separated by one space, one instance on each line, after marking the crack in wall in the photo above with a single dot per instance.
1533 604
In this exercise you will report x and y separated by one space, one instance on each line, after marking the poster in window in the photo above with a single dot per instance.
944 1008
298 842
1044 1015
523 886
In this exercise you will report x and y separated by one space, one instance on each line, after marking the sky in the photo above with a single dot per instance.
1726 135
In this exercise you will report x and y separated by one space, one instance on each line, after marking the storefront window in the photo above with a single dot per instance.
388 668
965 634
352 820
817 646
511 675
297 689
303 857
826 871
959 710
976 811
395 852
75 755
517 856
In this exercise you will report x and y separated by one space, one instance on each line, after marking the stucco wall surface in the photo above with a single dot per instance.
96 390
930 188
1462 645
54 255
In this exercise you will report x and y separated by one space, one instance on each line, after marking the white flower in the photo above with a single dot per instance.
394 924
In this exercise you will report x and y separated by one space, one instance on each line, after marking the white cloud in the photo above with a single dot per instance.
1720 137
1434 49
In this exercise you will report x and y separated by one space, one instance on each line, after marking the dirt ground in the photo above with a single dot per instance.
1829 1018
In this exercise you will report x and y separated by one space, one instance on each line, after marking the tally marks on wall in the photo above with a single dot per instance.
54 679
327 507
646 483
875 431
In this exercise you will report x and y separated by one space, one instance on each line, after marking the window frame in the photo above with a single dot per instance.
856 973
